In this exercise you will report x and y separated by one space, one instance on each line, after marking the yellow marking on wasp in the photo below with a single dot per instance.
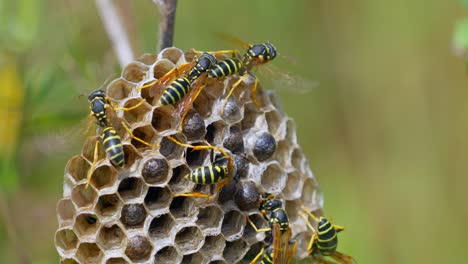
203 175
110 138
175 90
211 173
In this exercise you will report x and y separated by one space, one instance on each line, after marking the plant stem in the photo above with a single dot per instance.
166 26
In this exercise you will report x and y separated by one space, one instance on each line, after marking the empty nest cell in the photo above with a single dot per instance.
66 240
116 260
233 225
89 253
130 188
174 55
194 258
162 119
209 219
136 114
215 132
273 178
119 89
214 246
103 176
108 205
196 158
65 211
78 168
293 187
250 234
168 255
135 72
235 250
145 133
111 237
157 198
178 182
84 197
86 225
189 239
161 226
183 207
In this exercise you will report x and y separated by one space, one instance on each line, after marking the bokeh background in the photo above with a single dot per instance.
385 130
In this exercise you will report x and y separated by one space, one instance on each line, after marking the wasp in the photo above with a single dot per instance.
217 172
324 241
278 233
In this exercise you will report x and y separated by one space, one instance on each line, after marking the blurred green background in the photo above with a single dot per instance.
385 131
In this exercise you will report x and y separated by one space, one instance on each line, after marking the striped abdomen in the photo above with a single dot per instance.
210 174
327 237
268 256
278 215
113 146
225 68
175 91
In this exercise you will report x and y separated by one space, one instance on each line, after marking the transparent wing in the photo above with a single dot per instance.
187 102
275 78
158 85
277 241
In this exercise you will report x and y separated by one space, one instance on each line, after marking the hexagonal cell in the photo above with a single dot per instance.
209 219
133 215
291 131
161 227
234 142
242 166
69 261
292 208
104 176
138 248
283 153
189 239
195 258
204 104
108 205
253 251
196 158
162 119
65 210
233 225
167 255
311 195
130 188
235 251
117 261
145 133
136 114
89 253
119 89
131 155
274 178
78 168
232 112
178 182
227 192
148 58
274 120
135 72
214 246
84 197
157 198
162 67
252 236
297 159
194 126
111 237
215 132
218 261
251 113
86 225
265 147
175 55
169 149
66 240
88 152
293 186
183 207
155 171
247 196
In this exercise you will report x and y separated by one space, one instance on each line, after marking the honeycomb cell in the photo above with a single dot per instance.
138 248
253 251
131 155
131 188
283 154
194 126
86 225
162 67
189 240
178 182
265 147
274 120
214 246
66 240
157 198
84 197
203 104
65 211
209 220
119 89
145 133
175 55
215 132
251 113
291 131
135 72
218 261
273 178
162 119
155 171
297 159
161 227
232 112
89 253
117 261
252 236
196 158
234 142
103 176
183 207
88 152
78 168
133 215
247 196
168 255
169 149
69 261
292 208
148 58
311 195
235 250
233 225
195 258
293 186
108 205
137 114
111 237
242 166
227 192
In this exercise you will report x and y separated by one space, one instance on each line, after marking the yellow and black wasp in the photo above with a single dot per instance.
217 172
278 234
99 105
324 241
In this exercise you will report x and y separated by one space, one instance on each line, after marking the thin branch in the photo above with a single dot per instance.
116 32
167 9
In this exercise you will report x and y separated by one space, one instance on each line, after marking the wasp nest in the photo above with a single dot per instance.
131 214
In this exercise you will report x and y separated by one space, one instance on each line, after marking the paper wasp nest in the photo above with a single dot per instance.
130 214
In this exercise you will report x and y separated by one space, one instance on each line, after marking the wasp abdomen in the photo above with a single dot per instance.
210 174
225 68
113 146
175 91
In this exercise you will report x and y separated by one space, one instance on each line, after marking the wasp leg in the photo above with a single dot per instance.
255 227
314 236
194 194
148 85
259 255
254 93
234 86
130 133
338 228
93 165
309 213
181 122
128 108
